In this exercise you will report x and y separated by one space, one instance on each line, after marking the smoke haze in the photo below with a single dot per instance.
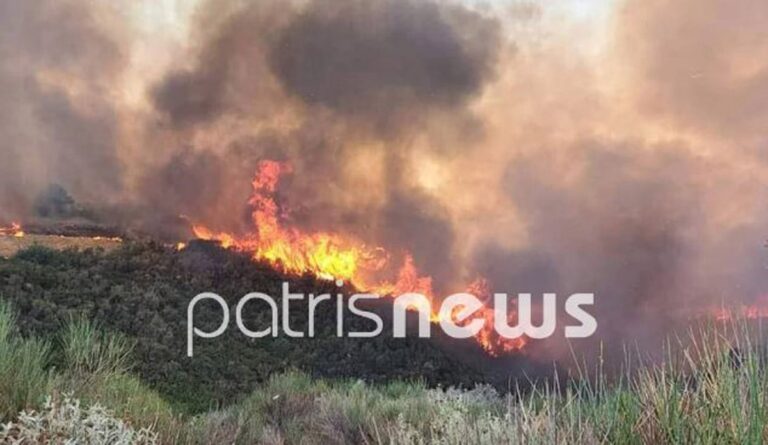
538 149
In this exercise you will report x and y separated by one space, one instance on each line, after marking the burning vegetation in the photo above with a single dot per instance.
150 151
332 256
407 145
15 238
13 230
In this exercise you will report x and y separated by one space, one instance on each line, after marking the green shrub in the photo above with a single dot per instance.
24 380
711 386
89 351
95 368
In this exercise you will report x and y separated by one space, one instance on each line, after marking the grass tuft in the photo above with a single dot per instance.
24 380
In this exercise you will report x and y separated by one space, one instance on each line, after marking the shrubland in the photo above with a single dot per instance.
142 291
704 393
68 375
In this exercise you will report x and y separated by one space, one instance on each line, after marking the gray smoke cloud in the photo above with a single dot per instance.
57 123
350 74
372 62
381 60
707 75
623 227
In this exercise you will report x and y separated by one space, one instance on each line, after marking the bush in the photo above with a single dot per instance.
65 421
710 388
88 351
93 365
708 391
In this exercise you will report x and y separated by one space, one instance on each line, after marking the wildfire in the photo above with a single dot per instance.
326 255
13 230
337 257
758 309
114 239
488 338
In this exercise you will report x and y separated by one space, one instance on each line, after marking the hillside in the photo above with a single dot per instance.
142 290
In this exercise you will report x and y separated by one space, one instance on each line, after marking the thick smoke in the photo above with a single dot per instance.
327 85
373 62
647 188
57 125
698 63
510 142
622 226
382 60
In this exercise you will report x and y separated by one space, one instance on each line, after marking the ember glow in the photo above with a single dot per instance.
13 230
756 310
114 239
333 256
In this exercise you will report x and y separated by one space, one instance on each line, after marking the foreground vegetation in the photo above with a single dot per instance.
142 291
78 386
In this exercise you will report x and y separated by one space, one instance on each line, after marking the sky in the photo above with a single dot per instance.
162 29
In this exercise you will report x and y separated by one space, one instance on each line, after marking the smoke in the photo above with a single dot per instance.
622 226
57 122
519 142
331 85
707 77
384 61
645 184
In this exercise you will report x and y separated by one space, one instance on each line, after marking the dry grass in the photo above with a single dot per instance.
9 244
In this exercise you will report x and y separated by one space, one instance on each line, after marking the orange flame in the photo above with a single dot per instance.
333 256
114 239
14 230
488 338
758 309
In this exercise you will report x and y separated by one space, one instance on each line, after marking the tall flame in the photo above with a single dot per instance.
334 256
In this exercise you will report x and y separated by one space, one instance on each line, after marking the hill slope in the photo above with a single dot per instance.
143 290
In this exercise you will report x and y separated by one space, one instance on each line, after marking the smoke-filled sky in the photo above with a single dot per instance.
614 147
